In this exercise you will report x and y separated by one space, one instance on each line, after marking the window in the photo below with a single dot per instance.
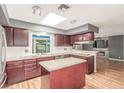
40 44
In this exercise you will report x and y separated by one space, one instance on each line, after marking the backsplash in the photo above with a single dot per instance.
17 51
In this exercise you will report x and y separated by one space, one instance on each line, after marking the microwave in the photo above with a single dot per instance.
100 43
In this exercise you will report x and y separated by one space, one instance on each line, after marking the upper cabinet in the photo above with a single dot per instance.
16 36
9 35
82 37
59 40
88 36
62 40
20 37
67 40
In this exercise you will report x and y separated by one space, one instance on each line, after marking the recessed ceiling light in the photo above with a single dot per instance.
52 19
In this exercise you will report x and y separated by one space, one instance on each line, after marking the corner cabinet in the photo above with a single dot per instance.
59 40
16 36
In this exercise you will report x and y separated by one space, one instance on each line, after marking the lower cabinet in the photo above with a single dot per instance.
25 69
15 71
43 70
90 63
30 68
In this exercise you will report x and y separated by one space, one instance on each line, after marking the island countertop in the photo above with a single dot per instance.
61 63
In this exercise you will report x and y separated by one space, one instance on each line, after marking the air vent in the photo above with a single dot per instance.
73 21
63 7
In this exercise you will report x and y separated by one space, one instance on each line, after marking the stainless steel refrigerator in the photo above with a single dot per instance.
3 75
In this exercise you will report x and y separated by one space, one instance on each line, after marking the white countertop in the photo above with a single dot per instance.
74 52
52 65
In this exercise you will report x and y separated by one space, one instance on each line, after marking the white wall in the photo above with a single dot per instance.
20 51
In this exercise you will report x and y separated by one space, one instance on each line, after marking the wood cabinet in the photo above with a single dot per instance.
73 39
59 40
90 62
88 36
9 35
72 77
16 36
67 40
43 70
30 68
62 40
15 71
20 37
82 37
79 38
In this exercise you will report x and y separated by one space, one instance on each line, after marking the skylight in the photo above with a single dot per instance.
52 19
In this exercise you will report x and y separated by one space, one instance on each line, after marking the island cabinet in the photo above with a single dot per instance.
42 70
16 36
15 71
90 62
30 68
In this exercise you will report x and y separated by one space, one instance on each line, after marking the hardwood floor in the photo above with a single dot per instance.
110 75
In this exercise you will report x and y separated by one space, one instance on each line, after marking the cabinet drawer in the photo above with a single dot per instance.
30 69
32 74
14 64
30 61
29 65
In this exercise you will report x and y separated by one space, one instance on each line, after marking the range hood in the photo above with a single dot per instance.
85 42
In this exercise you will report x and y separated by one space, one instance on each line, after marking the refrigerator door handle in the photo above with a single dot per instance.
4 80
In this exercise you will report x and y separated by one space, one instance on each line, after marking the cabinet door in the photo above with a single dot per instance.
42 69
73 39
79 38
9 35
88 36
15 71
59 40
30 68
66 40
20 37
90 65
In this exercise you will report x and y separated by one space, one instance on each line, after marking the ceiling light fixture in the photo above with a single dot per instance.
63 7
52 19
36 10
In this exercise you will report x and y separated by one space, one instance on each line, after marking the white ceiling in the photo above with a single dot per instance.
99 15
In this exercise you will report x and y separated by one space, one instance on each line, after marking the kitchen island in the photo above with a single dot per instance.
67 73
